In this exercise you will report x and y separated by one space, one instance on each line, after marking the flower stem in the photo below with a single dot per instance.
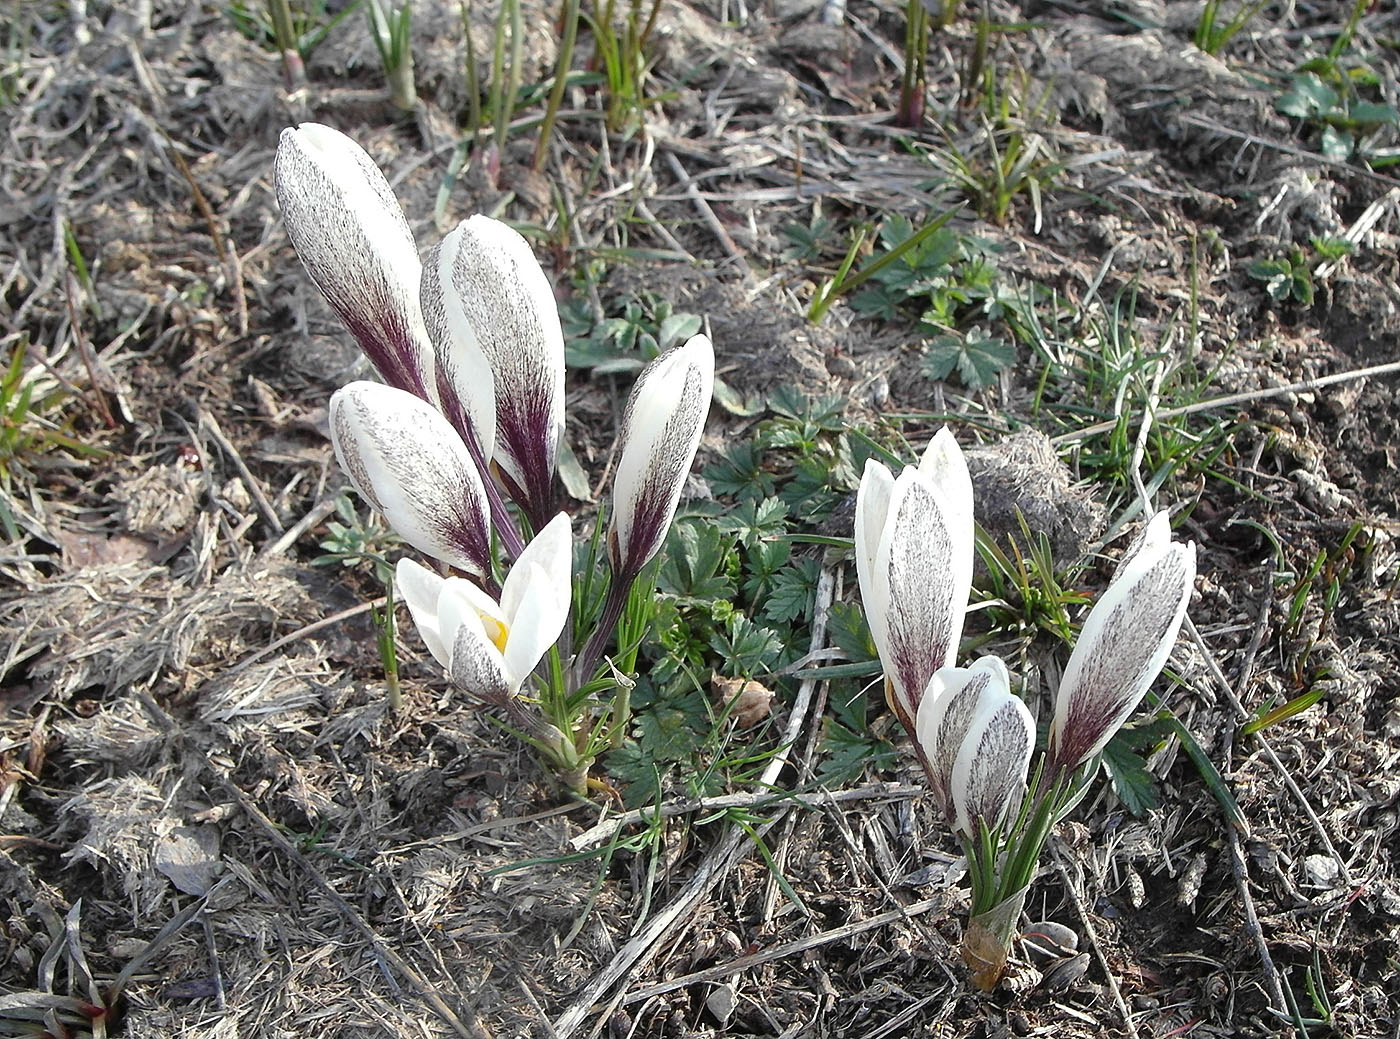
603 630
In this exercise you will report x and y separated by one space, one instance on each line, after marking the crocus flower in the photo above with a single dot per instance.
353 240
490 648
660 434
914 544
1123 646
976 738
410 464
491 315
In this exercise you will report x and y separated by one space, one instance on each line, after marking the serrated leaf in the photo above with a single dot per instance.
1135 786
791 595
976 357
746 648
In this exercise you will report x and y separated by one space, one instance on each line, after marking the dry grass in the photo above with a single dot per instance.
267 852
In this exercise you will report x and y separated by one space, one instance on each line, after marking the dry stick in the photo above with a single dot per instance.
706 213
472 1028
1239 869
1093 937
1389 368
292 534
302 632
1283 772
720 860
211 426
783 951
1238 866
756 799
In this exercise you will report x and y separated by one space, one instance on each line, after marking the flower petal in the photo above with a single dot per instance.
536 598
917 574
872 511
1122 648
411 465
352 238
945 714
477 666
419 588
466 386
989 775
501 318
661 431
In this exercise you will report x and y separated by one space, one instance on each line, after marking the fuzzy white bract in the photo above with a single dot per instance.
356 245
976 736
494 325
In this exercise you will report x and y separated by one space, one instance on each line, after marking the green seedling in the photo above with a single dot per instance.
1339 100
1294 276
562 66
917 250
353 541
293 30
622 53
390 25
1213 35
647 326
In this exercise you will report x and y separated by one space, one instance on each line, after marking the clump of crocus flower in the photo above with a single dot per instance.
973 735
458 447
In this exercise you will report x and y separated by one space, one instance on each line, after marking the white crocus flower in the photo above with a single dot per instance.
660 434
494 324
490 648
975 738
352 238
410 464
913 546
1123 646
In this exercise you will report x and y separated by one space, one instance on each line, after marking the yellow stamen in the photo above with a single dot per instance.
500 637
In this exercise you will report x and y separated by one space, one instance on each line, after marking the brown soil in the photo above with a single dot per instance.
200 783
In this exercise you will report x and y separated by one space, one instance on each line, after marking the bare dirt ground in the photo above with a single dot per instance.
203 797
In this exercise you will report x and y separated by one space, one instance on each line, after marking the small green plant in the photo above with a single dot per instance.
1212 35
1003 157
291 29
30 427
353 541
13 47
1341 101
390 25
1292 277
947 283
622 54
647 326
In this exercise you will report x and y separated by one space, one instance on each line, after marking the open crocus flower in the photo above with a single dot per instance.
410 464
660 434
491 315
490 648
1123 646
913 545
976 738
353 240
